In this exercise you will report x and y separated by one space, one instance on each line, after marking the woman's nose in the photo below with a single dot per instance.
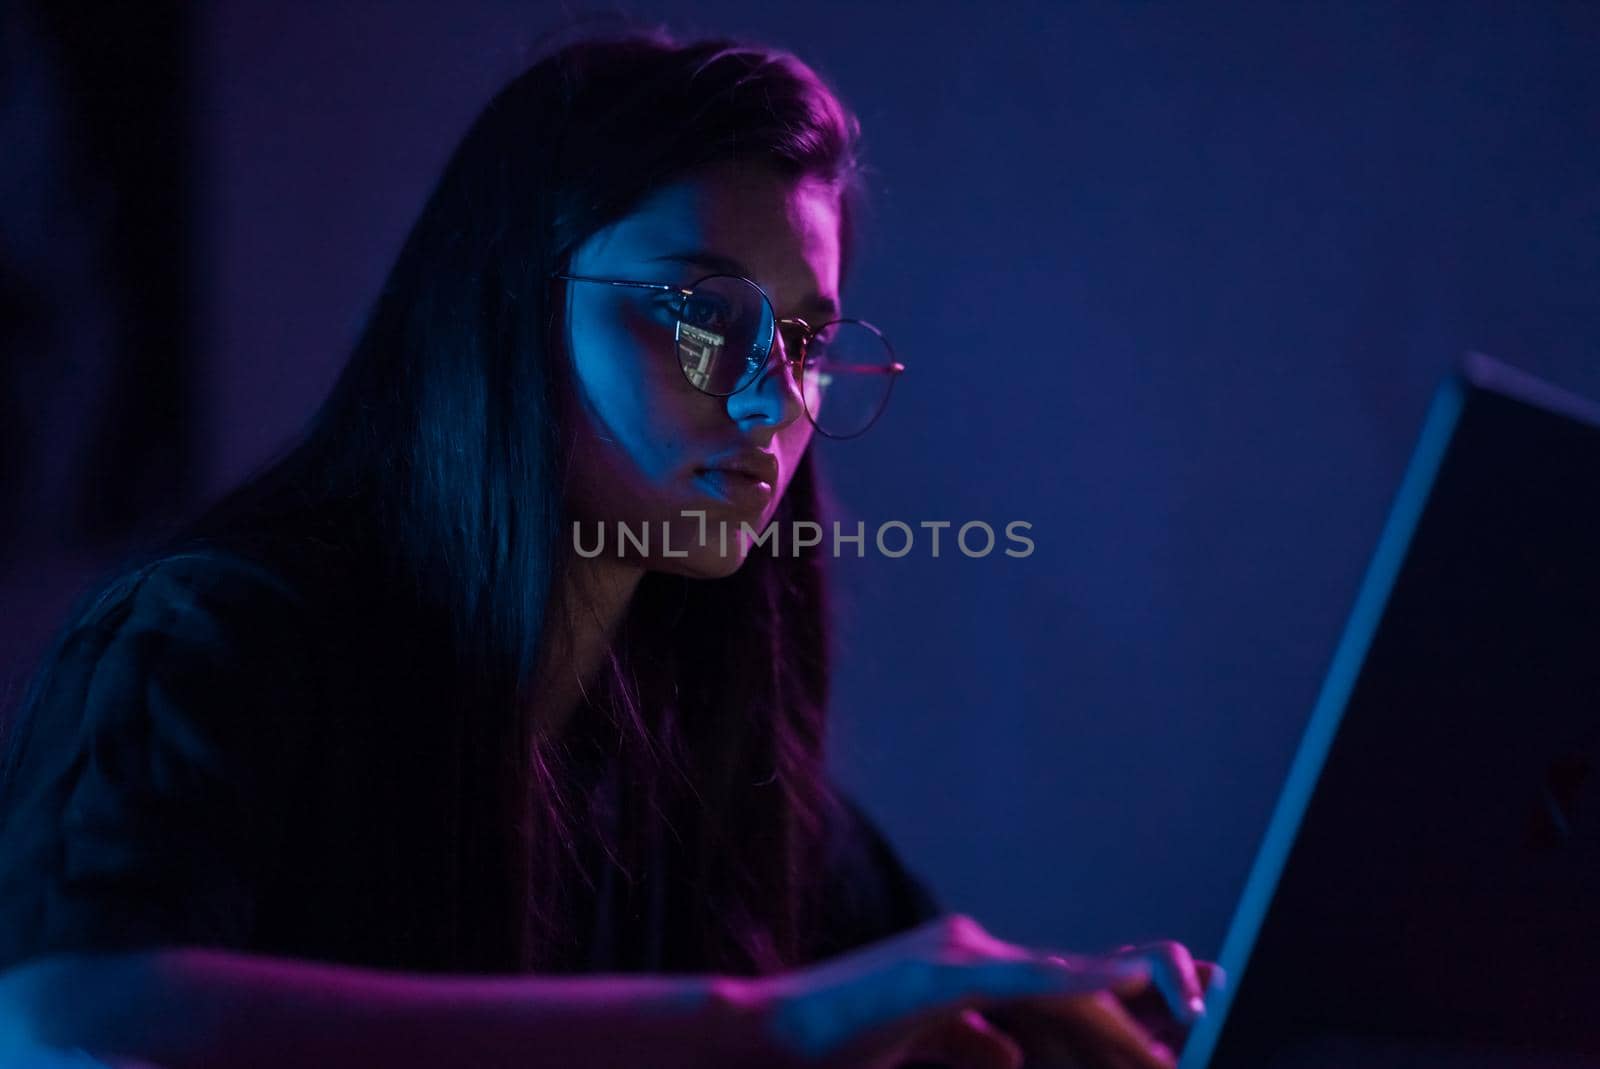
774 397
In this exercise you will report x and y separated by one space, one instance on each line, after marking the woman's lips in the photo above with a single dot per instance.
736 488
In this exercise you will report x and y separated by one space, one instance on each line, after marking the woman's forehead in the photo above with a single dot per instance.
783 232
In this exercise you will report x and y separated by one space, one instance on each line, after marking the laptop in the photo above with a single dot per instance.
1427 892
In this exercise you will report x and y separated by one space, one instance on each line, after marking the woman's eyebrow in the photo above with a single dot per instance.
715 261
711 261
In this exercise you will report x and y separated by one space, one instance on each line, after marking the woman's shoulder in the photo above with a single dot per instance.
189 601
190 642
211 578
145 773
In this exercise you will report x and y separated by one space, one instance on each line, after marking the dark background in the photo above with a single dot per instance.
1174 284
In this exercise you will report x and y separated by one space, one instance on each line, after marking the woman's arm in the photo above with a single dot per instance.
190 1007
878 1007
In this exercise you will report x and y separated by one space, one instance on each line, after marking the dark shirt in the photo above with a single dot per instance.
198 769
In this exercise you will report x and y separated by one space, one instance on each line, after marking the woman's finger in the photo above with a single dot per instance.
1172 971
1107 1030
1212 976
1084 1030
1146 1004
968 1040
988 982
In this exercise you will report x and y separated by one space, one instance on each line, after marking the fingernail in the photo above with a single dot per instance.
1197 1008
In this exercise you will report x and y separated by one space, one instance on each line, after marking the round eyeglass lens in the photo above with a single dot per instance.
724 334
848 372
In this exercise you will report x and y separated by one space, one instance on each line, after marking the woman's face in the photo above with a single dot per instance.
648 442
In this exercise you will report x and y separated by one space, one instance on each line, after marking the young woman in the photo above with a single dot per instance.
382 762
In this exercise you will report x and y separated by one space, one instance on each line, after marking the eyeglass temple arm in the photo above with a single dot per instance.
869 369
893 368
663 286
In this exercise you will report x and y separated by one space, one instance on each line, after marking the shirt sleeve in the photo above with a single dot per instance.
872 893
142 802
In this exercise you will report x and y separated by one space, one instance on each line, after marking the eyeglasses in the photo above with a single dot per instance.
724 327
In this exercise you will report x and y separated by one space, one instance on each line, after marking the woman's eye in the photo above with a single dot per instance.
706 312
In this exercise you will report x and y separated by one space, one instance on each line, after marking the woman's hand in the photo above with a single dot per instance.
1150 1010
930 994
1131 1025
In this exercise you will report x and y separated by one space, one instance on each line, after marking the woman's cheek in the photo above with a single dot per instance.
651 346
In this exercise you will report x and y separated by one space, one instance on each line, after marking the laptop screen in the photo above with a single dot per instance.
1426 889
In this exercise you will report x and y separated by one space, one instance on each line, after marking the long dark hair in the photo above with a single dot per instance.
440 455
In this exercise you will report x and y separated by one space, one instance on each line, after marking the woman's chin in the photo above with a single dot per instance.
704 563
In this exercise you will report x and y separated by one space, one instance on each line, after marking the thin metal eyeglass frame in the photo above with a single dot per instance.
894 368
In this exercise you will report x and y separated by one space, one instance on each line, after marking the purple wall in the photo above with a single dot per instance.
1173 284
